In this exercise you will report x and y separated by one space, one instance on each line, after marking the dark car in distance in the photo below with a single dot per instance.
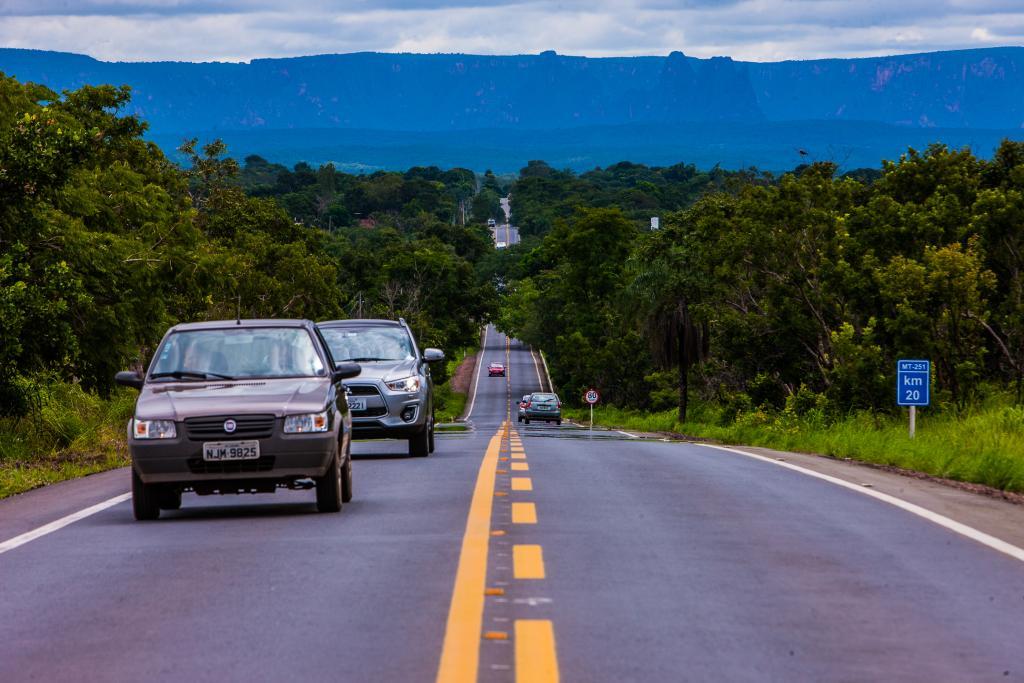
240 406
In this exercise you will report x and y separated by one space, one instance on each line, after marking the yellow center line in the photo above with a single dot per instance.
520 466
528 562
518 456
460 654
524 513
522 484
536 660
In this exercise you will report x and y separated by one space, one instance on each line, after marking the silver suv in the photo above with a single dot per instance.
394 395
240 406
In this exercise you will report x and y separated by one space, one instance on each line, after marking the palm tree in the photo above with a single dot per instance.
660 295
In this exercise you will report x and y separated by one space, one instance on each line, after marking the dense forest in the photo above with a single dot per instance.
757 291
104 243
767 293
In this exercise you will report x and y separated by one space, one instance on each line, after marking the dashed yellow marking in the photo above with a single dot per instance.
519 456
501 493
524 513
498 532
527 562
536 660
520 466
501 471
492 635
494 591
460 654
522 484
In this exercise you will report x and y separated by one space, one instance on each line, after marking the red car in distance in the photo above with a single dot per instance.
495 370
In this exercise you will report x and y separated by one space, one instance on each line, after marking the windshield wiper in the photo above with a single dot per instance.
363 360
189 374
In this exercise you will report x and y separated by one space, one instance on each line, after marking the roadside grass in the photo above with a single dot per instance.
982 445
448 403
71 433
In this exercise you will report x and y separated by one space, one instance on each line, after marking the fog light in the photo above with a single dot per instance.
409 414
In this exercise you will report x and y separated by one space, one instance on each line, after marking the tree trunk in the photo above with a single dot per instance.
684 377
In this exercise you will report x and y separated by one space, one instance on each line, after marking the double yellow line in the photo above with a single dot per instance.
534 639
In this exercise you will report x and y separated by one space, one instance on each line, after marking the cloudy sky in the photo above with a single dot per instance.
758 30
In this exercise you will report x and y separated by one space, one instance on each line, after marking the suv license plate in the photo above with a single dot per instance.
216 451
357 404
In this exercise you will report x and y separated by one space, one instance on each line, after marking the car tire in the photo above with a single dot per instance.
527 420
346 480
558 422
145 499
328 487
419 443
170 498
520 419
430 446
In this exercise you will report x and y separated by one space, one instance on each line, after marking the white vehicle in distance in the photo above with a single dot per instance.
491 223
501 245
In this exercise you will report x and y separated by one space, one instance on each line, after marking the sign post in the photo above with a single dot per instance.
592 396
913 381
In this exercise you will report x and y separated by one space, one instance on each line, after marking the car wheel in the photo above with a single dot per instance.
558 422
346 480
145 499
527 420
419 444
520 419
328 487
170 498
430 446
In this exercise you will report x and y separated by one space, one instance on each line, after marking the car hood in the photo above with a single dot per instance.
181 400
386 370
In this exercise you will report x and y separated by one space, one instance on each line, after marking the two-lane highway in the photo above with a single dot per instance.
515 552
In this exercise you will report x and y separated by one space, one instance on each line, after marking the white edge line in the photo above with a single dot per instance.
551 387
479 364
39 532
632 436
943 521
536 368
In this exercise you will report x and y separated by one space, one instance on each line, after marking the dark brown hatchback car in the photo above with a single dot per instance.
240 407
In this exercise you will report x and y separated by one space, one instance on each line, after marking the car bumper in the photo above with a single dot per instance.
282 457
387 408
543 415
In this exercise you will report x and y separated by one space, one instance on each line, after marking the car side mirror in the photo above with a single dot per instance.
433 355
127 378
346 370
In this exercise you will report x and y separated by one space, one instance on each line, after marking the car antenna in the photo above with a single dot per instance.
238 316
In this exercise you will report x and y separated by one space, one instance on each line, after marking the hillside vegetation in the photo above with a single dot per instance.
104 244
781 298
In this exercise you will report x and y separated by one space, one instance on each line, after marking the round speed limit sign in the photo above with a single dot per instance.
592 396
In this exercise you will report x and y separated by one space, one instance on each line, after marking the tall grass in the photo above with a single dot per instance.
70 433
983 445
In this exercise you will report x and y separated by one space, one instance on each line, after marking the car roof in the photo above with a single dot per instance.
359 321
243 323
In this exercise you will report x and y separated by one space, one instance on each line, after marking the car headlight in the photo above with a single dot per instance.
153 429
305 424
409 384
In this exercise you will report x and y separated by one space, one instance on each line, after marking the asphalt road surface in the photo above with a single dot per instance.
515 552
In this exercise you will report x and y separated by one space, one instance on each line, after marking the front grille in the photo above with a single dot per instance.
248 427
370 412
264 463
362 390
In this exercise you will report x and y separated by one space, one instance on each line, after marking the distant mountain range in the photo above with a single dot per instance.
370 110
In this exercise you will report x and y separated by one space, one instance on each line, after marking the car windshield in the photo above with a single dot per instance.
245 352
544 397
369 343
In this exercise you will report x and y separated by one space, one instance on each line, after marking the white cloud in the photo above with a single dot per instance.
757 30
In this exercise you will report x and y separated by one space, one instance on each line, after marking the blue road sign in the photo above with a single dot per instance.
912 382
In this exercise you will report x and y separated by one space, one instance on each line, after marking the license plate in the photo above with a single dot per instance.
357 404
231 450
